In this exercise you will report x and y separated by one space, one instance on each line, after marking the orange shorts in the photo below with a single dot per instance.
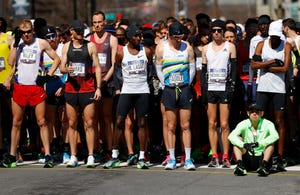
28 95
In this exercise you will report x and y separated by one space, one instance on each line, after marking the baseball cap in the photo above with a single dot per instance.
254 107
132 30
264 19
176 29
77 24
275 28
48 29
218 23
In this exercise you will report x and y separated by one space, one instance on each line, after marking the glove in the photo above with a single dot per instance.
291 91
18 36
230 86
41 80
249 93
249 147
278 63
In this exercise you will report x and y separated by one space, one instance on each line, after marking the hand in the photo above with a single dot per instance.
18 36
250 146
230 86
278 63
41 80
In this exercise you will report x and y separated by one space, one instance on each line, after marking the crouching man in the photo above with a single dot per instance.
253 143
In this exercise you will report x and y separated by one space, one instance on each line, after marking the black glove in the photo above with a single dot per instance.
291 91
230 86
278 63
249 93
249 147
18 36
41 80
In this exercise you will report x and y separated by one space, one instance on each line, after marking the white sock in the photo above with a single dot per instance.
187 153
142 155
172 153
115 153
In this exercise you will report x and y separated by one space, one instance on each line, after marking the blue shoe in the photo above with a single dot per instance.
189 165
66 158
132 159
171 165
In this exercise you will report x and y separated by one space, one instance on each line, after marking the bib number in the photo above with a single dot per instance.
79 69
176 78
2 67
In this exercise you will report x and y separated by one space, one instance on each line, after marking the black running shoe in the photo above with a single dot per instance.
240 169
48 162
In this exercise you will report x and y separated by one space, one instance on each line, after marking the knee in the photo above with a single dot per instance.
224 127
212 125
185 126
41 122
120 124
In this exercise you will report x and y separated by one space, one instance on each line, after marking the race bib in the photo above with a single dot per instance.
217 75
79 69
199 63
28 56
136 67
176 78
2 67
102 58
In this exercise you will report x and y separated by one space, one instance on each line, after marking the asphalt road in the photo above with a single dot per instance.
31 178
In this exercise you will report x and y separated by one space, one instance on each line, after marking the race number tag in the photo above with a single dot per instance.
217 75
2 67
102 58
199 63
28 56
176 78
79 69
136 67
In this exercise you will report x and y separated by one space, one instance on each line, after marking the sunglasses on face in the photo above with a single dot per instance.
216 30
51 36
24 32
254 111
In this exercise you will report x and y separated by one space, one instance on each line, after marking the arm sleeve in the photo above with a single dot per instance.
233 72
203 76
272 137
160 74
192 67
234 136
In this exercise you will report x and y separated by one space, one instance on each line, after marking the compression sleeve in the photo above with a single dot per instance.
192 67
160 74
233 63
117 77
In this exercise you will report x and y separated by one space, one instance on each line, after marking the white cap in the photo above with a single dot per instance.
275 28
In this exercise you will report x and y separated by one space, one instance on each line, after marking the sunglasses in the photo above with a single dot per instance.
216 30
24 32
177 36
51 36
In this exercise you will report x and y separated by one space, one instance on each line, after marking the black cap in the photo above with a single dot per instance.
264 19
176 29
218 23
48 29
77 24
255 107
132 30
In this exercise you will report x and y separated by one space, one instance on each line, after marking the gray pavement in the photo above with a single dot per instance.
31 178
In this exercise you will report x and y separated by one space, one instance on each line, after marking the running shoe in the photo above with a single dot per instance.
164 163
262 171
73 162
214 162
112 163
226 163
189 165
141 164
132 159
280 165
90 162
182 160
240 169
48 162
19 157
66 157
171 165
9 161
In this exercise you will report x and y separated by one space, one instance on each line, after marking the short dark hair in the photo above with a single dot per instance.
3 25
289 22
99 13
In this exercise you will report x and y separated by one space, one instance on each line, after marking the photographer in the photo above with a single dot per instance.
253 143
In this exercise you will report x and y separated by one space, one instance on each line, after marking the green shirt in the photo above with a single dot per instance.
266 134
